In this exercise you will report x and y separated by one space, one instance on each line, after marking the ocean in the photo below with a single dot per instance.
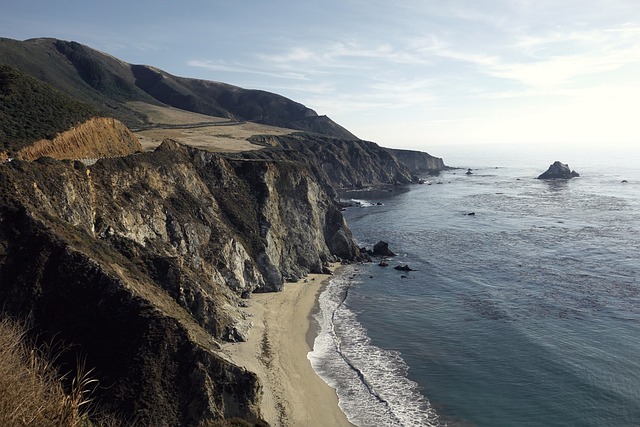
526 313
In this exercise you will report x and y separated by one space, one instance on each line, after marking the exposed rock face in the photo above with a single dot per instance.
95 138
559 170
345 164
139 262
419 162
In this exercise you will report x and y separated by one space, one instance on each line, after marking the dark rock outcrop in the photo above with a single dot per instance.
382 249
139 263
559 170
404 267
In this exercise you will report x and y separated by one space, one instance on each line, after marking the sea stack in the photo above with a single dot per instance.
559 170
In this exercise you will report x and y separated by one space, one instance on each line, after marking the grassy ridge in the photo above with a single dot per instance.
31 110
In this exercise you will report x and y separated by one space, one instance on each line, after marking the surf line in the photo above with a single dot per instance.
355 369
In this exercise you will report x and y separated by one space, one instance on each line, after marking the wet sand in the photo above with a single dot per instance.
294 395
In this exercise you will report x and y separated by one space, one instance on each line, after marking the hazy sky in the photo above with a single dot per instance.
413 74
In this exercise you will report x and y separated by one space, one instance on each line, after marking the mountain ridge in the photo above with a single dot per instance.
107 83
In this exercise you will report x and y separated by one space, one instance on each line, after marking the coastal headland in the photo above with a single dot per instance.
183 270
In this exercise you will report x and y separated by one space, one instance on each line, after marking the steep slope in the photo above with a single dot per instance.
108 83
43 59
138 263
31 109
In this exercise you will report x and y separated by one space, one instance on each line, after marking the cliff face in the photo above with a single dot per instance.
418 161
349 164
95 138
139 263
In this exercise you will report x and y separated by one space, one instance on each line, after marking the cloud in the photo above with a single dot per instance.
450 61
556 71
244 69
559 58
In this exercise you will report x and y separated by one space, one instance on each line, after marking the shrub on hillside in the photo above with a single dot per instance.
31 110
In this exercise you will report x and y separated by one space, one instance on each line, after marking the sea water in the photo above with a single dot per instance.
526 313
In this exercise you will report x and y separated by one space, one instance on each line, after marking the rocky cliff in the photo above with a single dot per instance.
419 162
97 137
348 164
139 264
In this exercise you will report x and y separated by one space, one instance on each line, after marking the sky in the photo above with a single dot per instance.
417 74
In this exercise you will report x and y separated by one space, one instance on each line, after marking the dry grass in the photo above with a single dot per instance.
235 422
170 115
219 136
31 392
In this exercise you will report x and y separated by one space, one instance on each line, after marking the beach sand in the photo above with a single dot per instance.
294 395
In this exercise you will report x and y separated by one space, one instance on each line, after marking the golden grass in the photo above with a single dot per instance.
31 392
220 135
235 422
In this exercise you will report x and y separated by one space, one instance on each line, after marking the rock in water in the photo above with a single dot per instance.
382 249
559 170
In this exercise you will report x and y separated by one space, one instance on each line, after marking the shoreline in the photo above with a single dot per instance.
276 351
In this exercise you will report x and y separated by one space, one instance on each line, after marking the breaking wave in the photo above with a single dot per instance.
371 383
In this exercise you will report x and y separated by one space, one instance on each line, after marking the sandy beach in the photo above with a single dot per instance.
277 352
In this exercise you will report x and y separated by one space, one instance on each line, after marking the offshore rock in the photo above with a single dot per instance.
138 264
382 249
559 170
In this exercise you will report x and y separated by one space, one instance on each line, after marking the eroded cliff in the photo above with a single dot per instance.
419 162
139 263
348 164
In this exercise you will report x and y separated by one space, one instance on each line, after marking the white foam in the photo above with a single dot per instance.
363 203
371 382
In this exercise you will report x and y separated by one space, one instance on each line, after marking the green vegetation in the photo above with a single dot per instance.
31 110
96 73
108 84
